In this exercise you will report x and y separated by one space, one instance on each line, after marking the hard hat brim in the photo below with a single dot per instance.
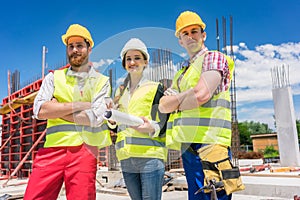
186 25
65 39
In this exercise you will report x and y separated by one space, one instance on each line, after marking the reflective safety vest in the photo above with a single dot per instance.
210 123
64 133
131 143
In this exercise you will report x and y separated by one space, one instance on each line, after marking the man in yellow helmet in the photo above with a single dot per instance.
199 103
72 101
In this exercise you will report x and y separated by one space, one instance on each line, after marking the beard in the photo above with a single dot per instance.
78 59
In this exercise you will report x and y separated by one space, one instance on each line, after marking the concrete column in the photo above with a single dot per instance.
286 127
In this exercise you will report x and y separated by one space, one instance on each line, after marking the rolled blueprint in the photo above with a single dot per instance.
123 118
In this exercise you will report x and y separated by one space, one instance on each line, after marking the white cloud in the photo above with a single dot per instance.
120 80
102 62
243 45
254 79
253 69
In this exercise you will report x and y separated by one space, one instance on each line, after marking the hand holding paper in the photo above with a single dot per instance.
147 127
123 118
140 124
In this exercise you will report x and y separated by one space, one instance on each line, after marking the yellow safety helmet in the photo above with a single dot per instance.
188 18
77 30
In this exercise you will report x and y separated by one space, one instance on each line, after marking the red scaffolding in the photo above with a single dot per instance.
23 135
19 132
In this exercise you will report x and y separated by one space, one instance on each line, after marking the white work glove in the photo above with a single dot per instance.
109 102
170 92
156 127
95 114
110 105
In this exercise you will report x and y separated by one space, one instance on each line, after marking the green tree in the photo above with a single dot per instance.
244 134
246 129
270 152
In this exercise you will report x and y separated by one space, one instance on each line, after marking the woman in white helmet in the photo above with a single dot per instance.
141 149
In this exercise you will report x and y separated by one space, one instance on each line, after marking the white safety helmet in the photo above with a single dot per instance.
135 44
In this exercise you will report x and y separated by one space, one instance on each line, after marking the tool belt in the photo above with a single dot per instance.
219 172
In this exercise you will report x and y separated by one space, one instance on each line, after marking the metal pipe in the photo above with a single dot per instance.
218 37
25 158
224 36
6 141
45 50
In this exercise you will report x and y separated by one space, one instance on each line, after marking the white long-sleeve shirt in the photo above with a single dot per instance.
98 103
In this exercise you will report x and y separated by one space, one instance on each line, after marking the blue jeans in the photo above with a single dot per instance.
194 174
143 177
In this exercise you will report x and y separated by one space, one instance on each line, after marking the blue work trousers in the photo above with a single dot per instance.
194 173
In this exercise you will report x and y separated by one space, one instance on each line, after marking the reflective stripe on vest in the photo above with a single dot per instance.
131 143
139 141
170 142
220 102
202 122
209 123
73 127
64 133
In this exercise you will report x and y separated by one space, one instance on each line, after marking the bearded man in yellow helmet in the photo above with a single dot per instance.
72 100
200 120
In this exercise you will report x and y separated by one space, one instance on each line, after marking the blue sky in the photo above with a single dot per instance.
265 34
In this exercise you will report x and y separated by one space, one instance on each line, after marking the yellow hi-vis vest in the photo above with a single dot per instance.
131 143
64 133
210 123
